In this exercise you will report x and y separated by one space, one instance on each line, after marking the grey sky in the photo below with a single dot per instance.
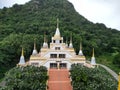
102 11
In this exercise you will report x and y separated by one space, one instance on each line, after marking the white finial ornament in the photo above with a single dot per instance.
80 51
22 59
93 61
34 50
71 45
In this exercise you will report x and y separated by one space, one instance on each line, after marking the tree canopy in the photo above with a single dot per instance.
84 78
26 78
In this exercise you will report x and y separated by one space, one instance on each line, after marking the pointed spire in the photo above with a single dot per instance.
22 53
93 53
66 43
57 33
57 23
34 50
34 44
45 45
119 82
71 38
80 51
44 37
71 45
93 61
22 59
80 46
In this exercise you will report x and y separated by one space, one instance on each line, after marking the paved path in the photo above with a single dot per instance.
59 80
110 71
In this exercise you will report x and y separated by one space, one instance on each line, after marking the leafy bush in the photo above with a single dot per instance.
116 60
84 78
26 78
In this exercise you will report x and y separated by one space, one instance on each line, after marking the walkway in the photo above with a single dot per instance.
110 71
59 80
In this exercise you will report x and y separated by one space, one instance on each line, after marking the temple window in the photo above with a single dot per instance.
53 55
57 48
62 55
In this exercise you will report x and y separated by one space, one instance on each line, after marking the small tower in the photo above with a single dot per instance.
66 44
45 44
40 50
93 62
34 50
119 82
80 51
22 59
71 45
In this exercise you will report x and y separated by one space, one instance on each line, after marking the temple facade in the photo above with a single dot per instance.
57 55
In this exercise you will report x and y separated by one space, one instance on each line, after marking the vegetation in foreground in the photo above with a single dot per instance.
84 78
26 78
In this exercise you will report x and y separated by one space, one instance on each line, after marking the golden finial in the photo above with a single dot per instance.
57 22
44 37
66 40
93 53
71 38
34 44
80 46
119 81
22 54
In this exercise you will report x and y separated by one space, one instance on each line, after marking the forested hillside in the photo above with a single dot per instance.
21 24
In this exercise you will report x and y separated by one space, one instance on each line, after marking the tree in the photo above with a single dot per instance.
26 78
84 78
116 60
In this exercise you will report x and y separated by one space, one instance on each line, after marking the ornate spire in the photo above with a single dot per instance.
22 53
93 53
45 45
34 44
80 46
34 50
22 59
71 38
71 45
57 23
57 33
44 37
80 51
93 61
119 82
66 44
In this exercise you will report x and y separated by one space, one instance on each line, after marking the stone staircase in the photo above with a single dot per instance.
59 80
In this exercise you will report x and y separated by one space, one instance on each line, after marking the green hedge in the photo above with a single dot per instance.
84 78
26 78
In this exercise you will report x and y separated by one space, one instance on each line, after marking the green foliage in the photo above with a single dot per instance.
116 60
108 60
84 78
26 78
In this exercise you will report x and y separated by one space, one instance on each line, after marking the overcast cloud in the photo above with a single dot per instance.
102 11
